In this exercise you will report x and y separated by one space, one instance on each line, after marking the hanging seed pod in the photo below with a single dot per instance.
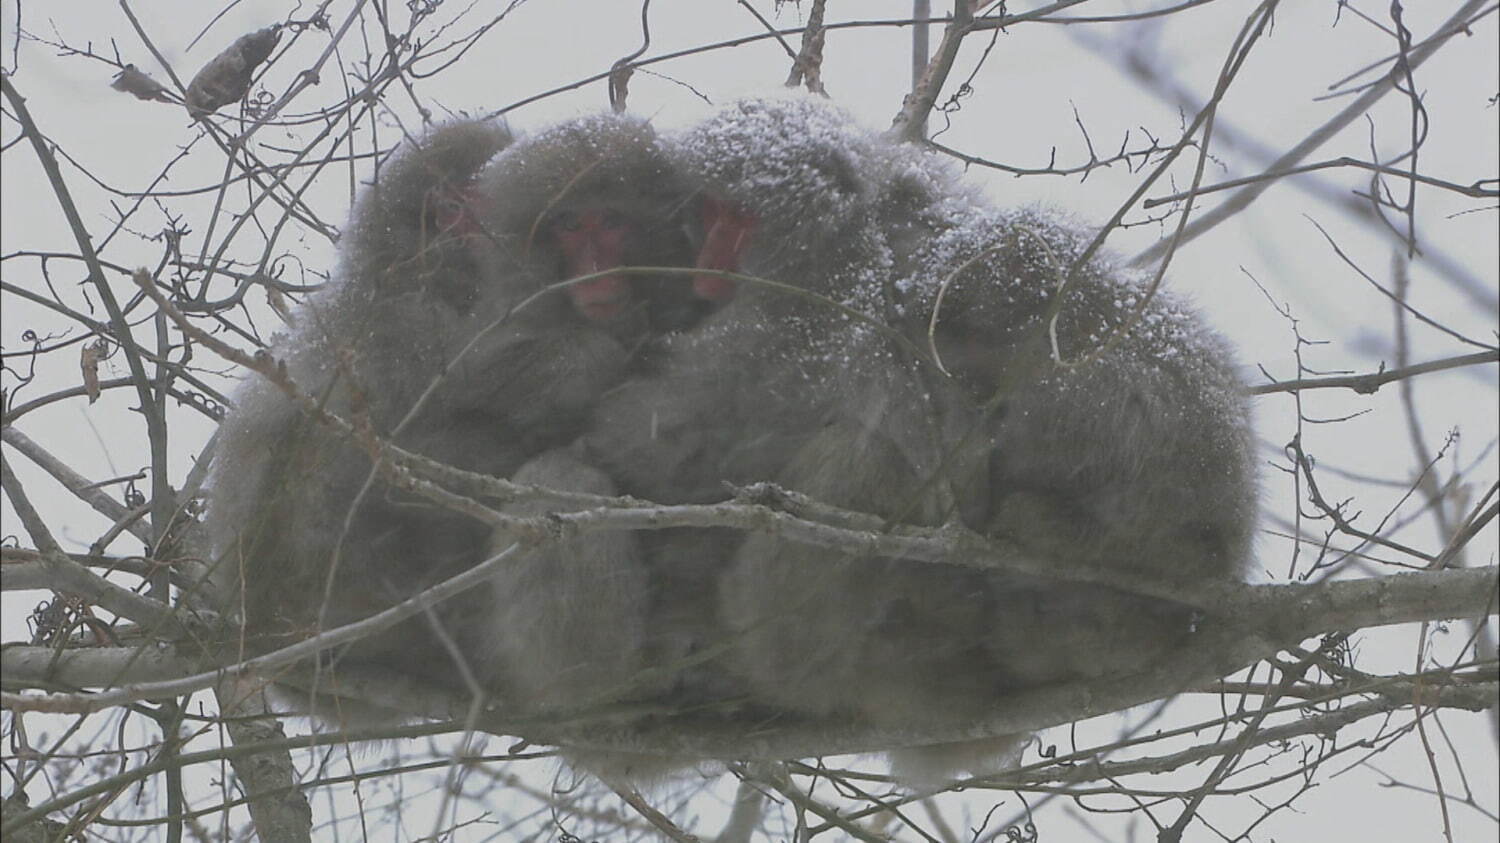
226 78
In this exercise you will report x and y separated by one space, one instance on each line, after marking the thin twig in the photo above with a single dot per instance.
1476 190
910 123
1314 140
1368 384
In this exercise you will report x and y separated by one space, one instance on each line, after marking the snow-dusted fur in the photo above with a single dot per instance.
1118 440
438 254
1133 453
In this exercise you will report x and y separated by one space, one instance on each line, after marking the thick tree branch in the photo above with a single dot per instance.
1255 622
82 704
807 65
910 123
1368 384
277 805
23 569
95 667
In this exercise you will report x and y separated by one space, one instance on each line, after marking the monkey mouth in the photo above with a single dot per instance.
713 288
601 299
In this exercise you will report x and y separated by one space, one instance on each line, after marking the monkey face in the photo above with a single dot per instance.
592 241
726 236
574 204
450 211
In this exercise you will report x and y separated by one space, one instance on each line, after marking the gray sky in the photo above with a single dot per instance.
1038 84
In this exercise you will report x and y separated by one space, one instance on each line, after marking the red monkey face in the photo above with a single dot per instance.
593 241
726 235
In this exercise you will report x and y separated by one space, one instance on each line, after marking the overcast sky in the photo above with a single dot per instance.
1038 85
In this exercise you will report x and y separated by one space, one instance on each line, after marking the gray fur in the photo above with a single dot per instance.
283 486
1137 460
438 261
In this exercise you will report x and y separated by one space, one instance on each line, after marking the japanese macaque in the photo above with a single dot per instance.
1122 437
1136 458
825 403
302 543
1118 440
564 624
728 395
456 348
860 330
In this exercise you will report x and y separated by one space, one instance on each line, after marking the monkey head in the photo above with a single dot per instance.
578 200
783 191
411 233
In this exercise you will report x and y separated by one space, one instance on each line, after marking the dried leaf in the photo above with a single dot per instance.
226 79
88 361
619 85
132 81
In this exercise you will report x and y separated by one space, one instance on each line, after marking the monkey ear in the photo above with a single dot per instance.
841 174
907 193
401 239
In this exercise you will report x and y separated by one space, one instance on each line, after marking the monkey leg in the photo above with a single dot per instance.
566 624
815 632
1139 461
567 629
1045 632
685 635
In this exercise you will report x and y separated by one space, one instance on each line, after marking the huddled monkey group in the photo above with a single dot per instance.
799 301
